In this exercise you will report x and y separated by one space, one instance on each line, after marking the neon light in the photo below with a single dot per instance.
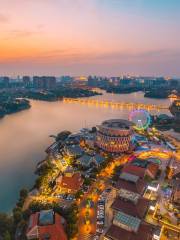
139 125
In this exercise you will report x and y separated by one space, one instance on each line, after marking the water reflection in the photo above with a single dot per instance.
24 136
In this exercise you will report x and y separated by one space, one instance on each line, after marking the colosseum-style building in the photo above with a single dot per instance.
114 135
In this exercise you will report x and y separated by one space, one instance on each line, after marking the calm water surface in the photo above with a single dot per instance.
24 137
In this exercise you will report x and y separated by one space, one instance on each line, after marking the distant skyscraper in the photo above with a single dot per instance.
26 81
6 81
45 82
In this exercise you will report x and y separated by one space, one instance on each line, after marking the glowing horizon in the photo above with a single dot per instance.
82 37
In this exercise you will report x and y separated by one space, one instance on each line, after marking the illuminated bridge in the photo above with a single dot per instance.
118 105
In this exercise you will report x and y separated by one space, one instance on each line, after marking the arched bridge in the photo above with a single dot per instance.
105 103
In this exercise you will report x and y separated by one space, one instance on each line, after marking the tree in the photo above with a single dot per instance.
17 215
5 224
78 194
94 130
23 193
87 181
62 135
7 236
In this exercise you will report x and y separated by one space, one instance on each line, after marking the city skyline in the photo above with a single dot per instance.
77 37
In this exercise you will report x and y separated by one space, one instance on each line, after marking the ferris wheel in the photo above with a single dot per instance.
141 119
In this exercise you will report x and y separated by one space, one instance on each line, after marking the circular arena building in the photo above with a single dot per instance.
114 135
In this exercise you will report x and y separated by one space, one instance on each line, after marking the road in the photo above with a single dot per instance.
102 182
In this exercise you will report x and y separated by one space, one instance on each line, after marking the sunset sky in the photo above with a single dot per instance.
103 37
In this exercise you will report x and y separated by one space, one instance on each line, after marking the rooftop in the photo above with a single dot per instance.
85 160
126 221
73 182
53 231
131 196
153 169
98 159
46 217
136 187
135 170
74 150
117 124
140 163
129 177
136 209
145 232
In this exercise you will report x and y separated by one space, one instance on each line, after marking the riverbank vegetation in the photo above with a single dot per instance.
46 95
9 105
120 90
12 225
58 93
157 93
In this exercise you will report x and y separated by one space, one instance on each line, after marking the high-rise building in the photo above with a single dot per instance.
44 82
5 81
26 81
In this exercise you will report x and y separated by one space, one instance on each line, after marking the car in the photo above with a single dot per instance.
100 217
71 197
103 198
67 199
100 213
96 237
87 175
100 222
65 196
108 190
101 207
99 230
101 202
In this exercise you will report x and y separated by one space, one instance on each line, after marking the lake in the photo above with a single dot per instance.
24 136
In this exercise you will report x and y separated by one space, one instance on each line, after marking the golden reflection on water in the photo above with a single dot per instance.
24 136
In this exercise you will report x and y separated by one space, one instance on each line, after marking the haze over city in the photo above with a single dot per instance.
103 37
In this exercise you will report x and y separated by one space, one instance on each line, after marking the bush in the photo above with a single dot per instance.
6 224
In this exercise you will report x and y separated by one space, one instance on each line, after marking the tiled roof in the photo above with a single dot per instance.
129 177
55 231
85 160
126 221
145 232
128 207
153 169
74 150
98 158
138 171
72 183
137 187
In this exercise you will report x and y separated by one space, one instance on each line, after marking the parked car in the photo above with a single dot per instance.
96 237
101 207
100 222
108 190
99 230
100 218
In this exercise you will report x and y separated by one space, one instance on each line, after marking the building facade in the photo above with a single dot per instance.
114 135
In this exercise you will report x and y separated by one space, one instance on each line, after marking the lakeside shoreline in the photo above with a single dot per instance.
30 141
